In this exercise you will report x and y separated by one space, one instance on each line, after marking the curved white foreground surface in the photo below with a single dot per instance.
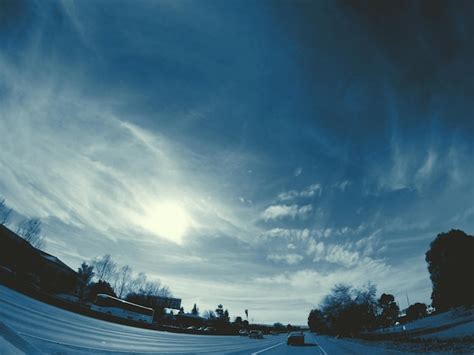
30 326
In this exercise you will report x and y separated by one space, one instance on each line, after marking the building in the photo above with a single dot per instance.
33 266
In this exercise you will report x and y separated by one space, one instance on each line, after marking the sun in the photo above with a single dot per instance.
167 219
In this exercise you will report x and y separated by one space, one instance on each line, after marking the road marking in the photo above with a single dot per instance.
321 350
16 340
271 347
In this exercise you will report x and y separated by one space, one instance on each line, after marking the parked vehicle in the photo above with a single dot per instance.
119 308
255 334
244 333
295 338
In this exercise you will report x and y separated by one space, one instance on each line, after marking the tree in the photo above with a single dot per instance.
389 310
222 315
416 311
279 326
123 277
181 311
364 314
335 305
137 284
100 287
105 268
220 311
144 293
348 311
85 274
155 289
30 230
316 321
210 315
195 310
5 212
451 265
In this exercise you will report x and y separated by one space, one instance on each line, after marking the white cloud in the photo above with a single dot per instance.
290 259
315 248
427 168
310 191
296 234
342 185
303 211
245 201
341 254
288 195
312 285
285 211
338 254
417 168
70 156
298 171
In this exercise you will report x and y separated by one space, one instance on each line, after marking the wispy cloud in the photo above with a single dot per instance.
342 185
310 191
298 171
71 157
286 211
312 285
290 259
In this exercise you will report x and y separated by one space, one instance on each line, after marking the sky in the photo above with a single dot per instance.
248 153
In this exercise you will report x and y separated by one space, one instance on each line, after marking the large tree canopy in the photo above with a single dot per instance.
451 266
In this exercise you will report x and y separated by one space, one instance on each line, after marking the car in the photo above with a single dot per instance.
255 334
295 338
243 332
210 330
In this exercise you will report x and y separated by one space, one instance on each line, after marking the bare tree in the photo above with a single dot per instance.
124 278
209 314
5 212
105 268
165 292
152 288
30 230
138 283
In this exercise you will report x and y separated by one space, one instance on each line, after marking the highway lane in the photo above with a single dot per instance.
53 330
324 345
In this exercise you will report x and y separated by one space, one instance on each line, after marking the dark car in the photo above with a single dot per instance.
255 334
295 338
243 332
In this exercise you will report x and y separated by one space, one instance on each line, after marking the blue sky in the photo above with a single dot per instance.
246 153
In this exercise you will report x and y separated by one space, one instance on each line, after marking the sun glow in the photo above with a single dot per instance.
166 219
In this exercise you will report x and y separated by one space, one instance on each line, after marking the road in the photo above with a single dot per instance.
33 326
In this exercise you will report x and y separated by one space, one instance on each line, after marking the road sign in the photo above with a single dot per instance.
166 302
